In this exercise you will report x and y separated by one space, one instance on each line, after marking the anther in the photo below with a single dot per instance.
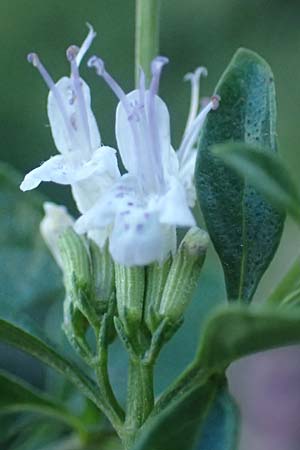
215 99
156 68
97 64
194 76
157 64
72 52
33 59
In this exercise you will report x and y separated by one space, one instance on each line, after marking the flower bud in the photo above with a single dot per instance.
103 273
54 223
77 275
75 260
184 274
156 277
130 285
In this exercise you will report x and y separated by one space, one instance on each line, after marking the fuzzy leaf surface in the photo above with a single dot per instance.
244 227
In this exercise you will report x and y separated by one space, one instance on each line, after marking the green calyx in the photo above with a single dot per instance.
75 260
130 286
184 275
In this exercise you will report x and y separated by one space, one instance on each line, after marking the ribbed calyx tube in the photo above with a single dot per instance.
103 272
156 277
184 274
130 286
75 259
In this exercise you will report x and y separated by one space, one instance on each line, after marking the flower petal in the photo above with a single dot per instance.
174 208
54 169
121 197
143 138
95 178
186 176
71 136
99 236
139 239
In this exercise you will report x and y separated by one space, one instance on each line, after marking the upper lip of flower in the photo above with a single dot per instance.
73 125
74 129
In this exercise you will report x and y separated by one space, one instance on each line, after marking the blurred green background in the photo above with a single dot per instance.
193 33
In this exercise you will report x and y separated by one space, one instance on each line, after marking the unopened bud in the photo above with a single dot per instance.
184 274
75 259
77 274
130 285
55 222
103 272
156 277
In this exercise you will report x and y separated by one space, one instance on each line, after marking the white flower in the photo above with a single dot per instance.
152 199
82 163
54 223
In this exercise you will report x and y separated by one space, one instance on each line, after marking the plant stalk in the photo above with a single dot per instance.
146 36
140 399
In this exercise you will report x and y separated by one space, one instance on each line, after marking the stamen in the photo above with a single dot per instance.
142 89
72 53
98 65
86 44
156 68
194 78
215 101
192 134
33 59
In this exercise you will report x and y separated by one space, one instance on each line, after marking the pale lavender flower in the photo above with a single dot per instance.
83 162
154 197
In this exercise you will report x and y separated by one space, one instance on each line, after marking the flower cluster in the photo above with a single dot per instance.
140 210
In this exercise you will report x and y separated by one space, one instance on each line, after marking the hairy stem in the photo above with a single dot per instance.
140 398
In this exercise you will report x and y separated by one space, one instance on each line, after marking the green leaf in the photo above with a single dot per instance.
18 396
37 436
266 172
244 227
26 336
220 429
28 272
178 425
235 331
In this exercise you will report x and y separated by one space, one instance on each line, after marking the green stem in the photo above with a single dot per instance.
140 398
146 35
113 410
290 280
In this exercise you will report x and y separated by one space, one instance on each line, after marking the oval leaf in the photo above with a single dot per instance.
244 227
266 172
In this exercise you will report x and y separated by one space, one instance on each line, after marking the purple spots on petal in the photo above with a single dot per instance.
126 227
71 96
139 227
124 213
146 215
130 204
73 122
120 195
